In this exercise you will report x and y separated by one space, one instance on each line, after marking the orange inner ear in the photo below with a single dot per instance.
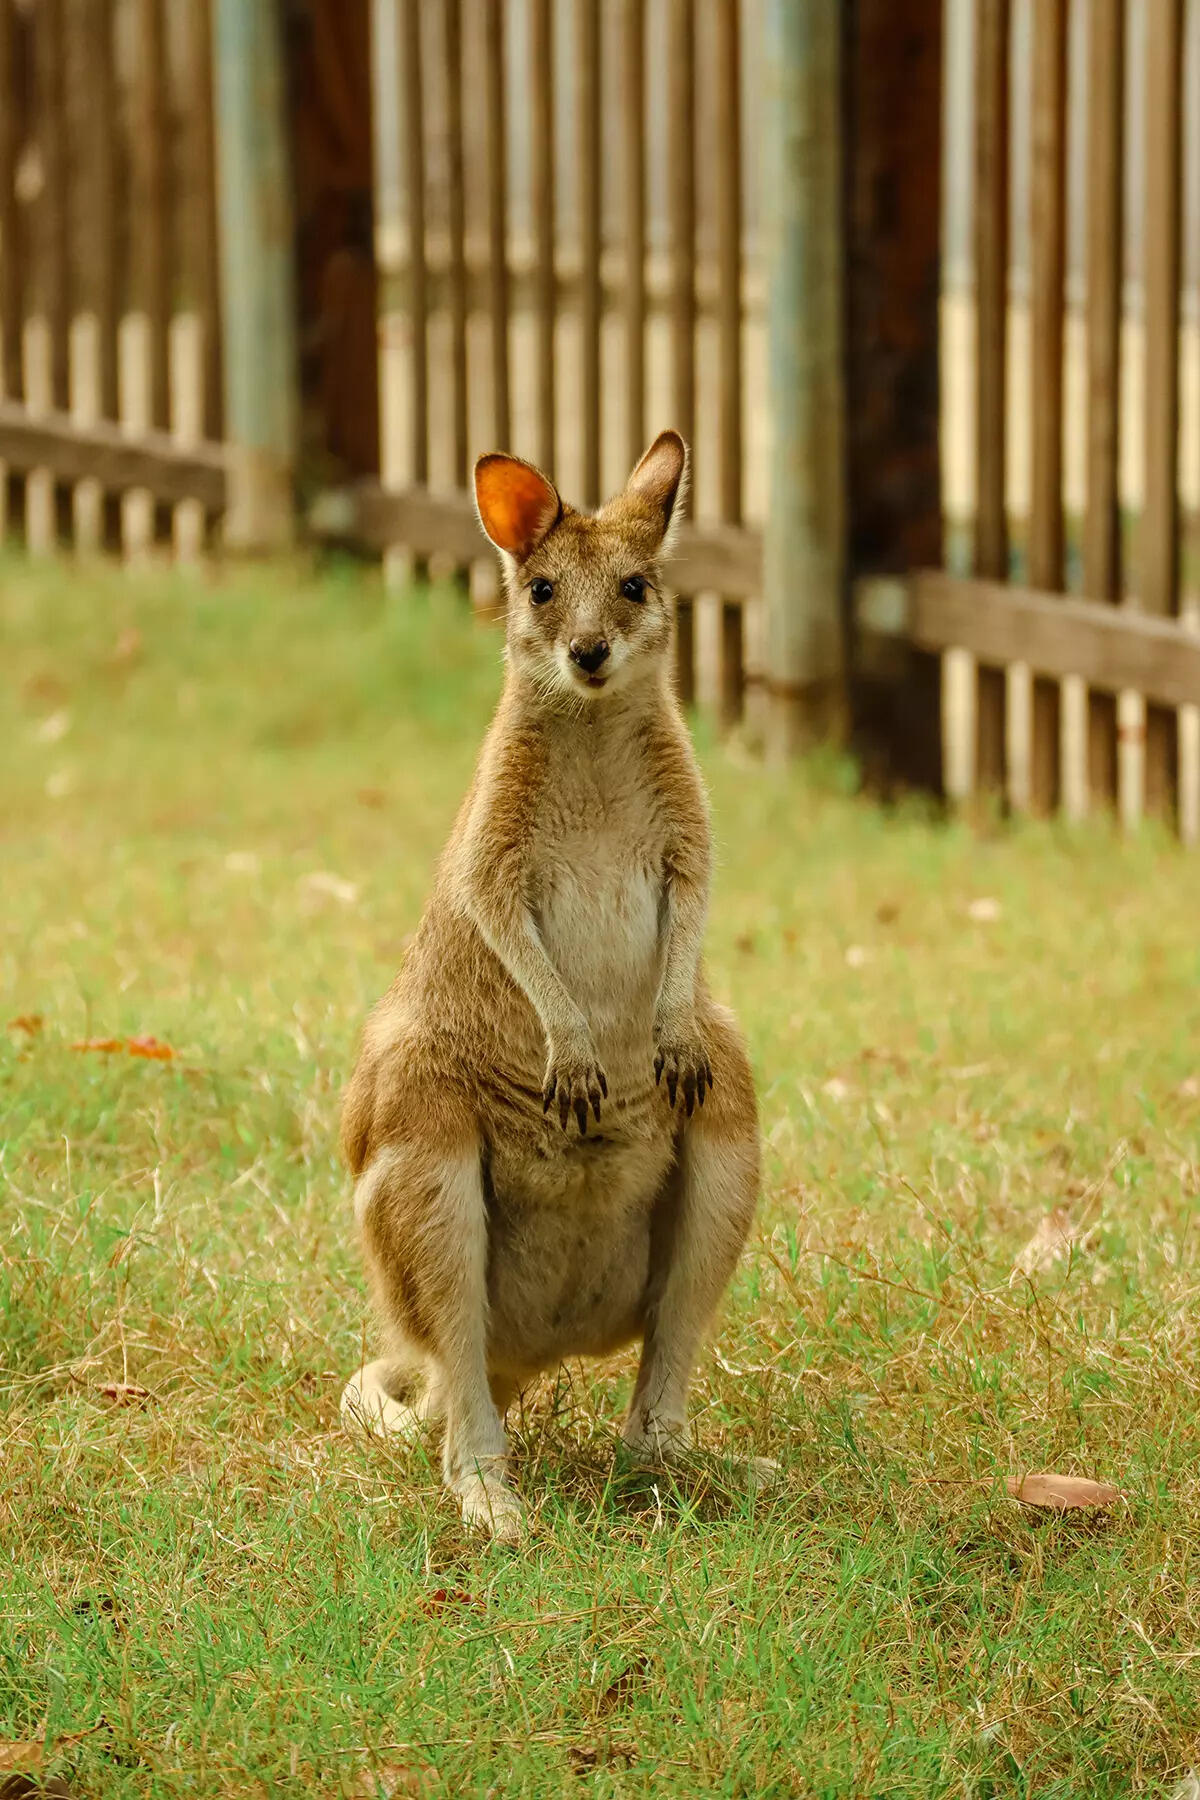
517 505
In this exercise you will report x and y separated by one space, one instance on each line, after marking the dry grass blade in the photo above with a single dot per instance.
1062 1493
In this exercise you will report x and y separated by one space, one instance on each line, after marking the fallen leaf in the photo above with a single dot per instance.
27 1753
442 1599
123 1393
322 881
619 1692
1050 1243
985 910
1063 1493
384 1780
150 1047
29 1023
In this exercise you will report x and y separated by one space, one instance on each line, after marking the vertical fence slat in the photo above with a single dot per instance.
1159 548
1047 277
202 253
587 124
727 179
10 266
150 227
456 273
541 75
497 151
681 107
1105 262
45 348
633 131
93 325
991 231
10 261
413 89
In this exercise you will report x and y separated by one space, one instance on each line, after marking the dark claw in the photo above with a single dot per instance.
689 1092
603 1089
700 1085
548 1095
658 1066
581 1115
709 1076
672 1084
596 1101
564 1106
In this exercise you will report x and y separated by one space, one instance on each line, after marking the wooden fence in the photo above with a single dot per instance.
1057 704
110 381
545 338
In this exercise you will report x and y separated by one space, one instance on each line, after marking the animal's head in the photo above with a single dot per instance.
587 614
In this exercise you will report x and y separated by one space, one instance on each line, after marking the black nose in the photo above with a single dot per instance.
589 653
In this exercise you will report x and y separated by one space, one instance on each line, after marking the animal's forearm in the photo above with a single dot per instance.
687 909
513 937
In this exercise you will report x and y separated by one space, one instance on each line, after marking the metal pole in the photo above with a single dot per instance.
804 548
257 273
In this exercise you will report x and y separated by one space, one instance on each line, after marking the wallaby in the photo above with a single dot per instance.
552 1124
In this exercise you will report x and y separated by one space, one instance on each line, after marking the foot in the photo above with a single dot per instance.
368 1406
656 1441
490 1506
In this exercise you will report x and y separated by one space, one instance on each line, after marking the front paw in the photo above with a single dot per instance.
680 1056
574 1080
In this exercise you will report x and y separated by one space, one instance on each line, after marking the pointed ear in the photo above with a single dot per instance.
660 479
517 505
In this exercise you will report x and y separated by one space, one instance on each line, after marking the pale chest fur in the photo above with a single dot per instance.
598 851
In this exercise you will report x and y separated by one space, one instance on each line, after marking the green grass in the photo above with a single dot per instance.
215 1592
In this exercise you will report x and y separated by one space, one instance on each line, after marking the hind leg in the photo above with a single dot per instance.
702 1224
425 1240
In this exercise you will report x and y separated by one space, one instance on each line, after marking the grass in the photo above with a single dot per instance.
212 1591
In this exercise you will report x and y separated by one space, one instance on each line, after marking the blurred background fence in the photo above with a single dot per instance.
268 262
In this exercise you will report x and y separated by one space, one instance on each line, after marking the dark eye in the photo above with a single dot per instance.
541 590
634 588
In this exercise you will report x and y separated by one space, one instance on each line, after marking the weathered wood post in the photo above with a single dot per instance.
892 160
257 273
804 566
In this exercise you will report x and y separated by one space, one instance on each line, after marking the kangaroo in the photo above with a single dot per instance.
552 1124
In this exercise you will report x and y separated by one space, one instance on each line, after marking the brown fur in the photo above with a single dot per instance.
528 1188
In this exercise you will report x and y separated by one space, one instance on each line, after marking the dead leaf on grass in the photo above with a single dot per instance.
150 1047
26 1753
1050 1243
29 1023
124 1393
619 1692
443 1599
1062 1493
382 1781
